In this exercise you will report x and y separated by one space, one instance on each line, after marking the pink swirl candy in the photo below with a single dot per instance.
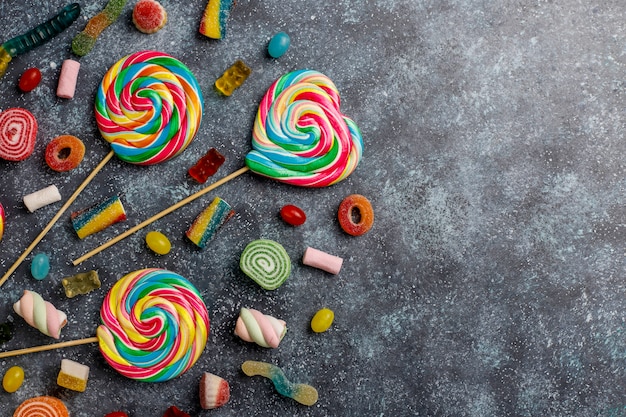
300 135
148 107
154 325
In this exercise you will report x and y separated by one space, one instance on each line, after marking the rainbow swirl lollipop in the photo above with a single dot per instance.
148 107
154 325
300 135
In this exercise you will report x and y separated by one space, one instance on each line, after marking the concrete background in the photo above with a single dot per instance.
492 282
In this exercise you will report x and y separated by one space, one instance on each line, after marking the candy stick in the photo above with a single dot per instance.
166 335
56 217
161 214
43 348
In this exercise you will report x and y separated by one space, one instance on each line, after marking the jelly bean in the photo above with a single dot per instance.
322 320
40 266
173 411
278 45
13 378
29 80
293 215
158 243
117 414
207 166
6 332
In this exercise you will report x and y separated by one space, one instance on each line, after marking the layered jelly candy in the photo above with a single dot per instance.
73 375
158 243
81 283
13 378
207 166
40 266
322 320
232 78
278 45
293 215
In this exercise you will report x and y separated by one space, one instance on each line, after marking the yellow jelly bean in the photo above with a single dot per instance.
13 378
158 242
322 320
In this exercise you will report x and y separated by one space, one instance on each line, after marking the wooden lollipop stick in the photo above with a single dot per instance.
48 347
163 213
46 229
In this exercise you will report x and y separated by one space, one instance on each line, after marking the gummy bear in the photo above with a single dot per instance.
207 166
232 78
81 283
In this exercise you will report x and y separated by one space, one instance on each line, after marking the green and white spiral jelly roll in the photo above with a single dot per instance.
266 262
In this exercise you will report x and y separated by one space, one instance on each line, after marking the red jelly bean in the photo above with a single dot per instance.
173 411
29 80
207 166
293 215
117 414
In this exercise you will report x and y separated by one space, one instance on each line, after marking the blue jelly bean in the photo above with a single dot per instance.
40 266
278 45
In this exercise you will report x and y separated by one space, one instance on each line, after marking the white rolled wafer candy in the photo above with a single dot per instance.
42 198
322 260
68 78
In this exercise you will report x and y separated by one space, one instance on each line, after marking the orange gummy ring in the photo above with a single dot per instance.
64 153
42 406
356 215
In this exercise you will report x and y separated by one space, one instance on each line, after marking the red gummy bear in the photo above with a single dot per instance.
207 166
173 411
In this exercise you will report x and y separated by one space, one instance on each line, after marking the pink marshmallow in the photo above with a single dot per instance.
322 260
68 78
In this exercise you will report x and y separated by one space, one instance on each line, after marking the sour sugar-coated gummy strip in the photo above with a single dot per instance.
38 35
302 393
206 225
98 217
85 40
213 24
266 262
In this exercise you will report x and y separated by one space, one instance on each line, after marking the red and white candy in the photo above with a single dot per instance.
18 131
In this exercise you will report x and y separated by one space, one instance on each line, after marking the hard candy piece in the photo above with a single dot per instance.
254 326
322 320
209 221
206 166
214 391
293 215
73 375
29 80
81 283
303 393
40 266
232 78
158 243
278 45
98 217
266 262
12 379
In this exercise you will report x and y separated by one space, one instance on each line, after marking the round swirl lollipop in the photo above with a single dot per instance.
148 107
154 325
300 135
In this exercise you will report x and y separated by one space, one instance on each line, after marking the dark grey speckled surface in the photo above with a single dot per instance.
492 283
